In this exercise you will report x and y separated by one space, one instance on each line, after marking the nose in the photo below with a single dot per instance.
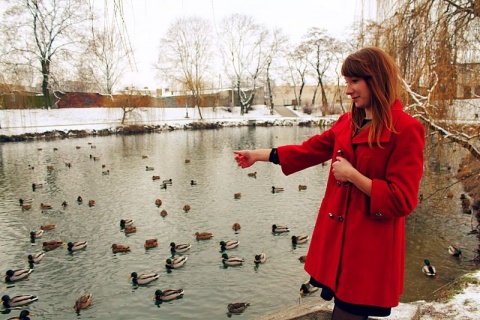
349 90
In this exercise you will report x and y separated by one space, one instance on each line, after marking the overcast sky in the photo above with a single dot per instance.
148 21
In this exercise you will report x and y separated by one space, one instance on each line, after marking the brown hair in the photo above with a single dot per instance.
381 73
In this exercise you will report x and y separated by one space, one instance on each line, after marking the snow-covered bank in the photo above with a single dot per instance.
30 121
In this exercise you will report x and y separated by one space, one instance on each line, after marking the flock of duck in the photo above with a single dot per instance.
177 259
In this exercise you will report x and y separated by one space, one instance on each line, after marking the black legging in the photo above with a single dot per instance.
339 314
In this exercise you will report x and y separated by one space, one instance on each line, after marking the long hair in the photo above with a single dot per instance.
381 74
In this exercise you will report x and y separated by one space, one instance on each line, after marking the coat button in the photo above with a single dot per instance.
378 214
331 215
340 218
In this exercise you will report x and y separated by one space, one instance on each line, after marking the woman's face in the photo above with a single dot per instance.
359 92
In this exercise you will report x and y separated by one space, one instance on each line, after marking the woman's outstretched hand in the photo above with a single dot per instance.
244 158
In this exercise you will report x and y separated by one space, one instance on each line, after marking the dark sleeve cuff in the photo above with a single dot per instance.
274 156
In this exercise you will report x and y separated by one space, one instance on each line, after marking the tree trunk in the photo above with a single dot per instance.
47 103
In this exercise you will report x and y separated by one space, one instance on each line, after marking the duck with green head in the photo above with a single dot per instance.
16 275
17 301
228 245
179 248
167 295
176 262
24 315
232 261
144 278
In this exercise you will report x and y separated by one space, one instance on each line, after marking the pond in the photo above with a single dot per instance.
129 192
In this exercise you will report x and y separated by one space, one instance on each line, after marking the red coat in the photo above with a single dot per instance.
358 243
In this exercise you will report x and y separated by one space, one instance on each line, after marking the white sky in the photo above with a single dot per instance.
148 21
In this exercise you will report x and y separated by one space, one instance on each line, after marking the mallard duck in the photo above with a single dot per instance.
260 258
163 186
79 199
36 257
45 206
75 246
22 201
276 189
187 160
163 213
83 302
91 203
24 315
237 195
158 202
106 172
280 229
232 261
68 164
52 244
193 182
237 307
302 187
118 248
36 234
455 251
144 157
236 226
186 208
143 278
64 204
428 269
229 244
48 227
130 229
167 295
302 259
155 177
176 262
37 185
17 301
168 181
49 167
126 223
299 239
252 174
147 168
203 235
26 206
307 289
179 248
18 274
151 243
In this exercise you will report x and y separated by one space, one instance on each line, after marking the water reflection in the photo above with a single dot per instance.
129 192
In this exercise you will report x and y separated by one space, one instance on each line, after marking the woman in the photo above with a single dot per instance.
357 251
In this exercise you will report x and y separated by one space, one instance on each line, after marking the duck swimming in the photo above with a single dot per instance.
126 223
24 315
175 263
118 248
130 229
307 289
455 252
428 269
236 226
16 275
151 243
260 258
179 248
277 189
83 302
52 244
36 257
203 235
143 278
167 295
45 206
227 245
36 234
75 246
231 261
299 239
280 229
237 307
17 301
158 202
48 227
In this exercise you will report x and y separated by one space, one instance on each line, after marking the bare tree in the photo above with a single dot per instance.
186 55
297 69
275 45
40 31
244 46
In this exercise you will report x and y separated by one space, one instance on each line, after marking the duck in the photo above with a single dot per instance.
168 181
193 182
303 258
187 160
299 239
68 164
155 177
228 245
24 315
231 261
79 199
260 258
36 234
147 168
236 226
237 195
176 262
179 248
64 204
35 257
302 187
130 229
158 202
22 201
91 203
26 206
144 278
75 246
186 208
17 301
126 223
203 235
83 302
52 244
167 295
163 213
307 289
237 307
106 172
455 252
252 174
144 157
119 248
49 167
151 243
48 227
280 229
277 189
163 186
16 275
45 206
428 269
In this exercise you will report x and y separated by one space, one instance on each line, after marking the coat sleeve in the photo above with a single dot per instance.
397 194
311 152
